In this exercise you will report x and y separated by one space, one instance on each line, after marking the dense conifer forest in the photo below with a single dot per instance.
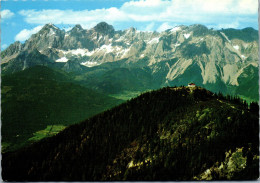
39 96
175 133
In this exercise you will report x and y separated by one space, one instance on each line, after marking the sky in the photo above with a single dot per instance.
22 18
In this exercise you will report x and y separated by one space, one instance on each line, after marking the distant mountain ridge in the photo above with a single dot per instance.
215 59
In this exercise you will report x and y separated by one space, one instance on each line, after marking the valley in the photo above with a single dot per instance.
40 96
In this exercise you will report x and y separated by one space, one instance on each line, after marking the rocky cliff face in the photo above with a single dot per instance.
48 37
12 51
184 53
24 60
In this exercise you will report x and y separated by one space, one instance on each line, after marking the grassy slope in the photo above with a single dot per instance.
116 80
248 84
169 134
39 96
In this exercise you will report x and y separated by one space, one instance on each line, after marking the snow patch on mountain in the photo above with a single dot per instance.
62 59
107 48
78 52
125 51
100 38
236 47
51 33
154 40
175 29
120 39
52 25
186 35
89 64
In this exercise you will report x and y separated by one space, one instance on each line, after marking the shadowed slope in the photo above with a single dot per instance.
169 134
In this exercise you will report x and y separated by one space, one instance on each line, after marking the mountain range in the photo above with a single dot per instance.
103 58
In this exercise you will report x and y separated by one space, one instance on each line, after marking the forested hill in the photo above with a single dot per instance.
40 97
168 134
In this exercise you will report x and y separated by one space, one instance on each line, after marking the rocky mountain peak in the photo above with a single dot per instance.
49 36
48 27
14 48
247 34
77 27
104 28
50 30
199 30
198 26
17 44
34 51
131 30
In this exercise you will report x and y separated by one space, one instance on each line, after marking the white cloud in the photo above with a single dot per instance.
90 25
144 7
247 6
144 3
68 28
6 14
171 11
85 17
25 33
150 27
4 46
164 26
225 26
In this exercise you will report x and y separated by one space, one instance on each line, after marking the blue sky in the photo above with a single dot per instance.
21 18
